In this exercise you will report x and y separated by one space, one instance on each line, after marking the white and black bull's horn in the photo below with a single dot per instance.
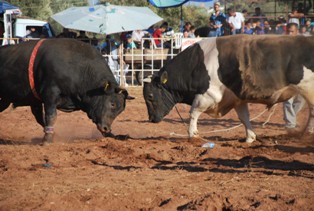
148 79
163 78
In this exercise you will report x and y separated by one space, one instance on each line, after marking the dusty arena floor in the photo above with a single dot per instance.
152 169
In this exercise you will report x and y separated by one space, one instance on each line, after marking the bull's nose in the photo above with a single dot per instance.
104 128
154 119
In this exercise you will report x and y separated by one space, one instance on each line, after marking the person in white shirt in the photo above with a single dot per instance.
236 21
137 36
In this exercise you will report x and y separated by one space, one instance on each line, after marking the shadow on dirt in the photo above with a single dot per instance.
221 122
12 142
116 167
244 165
261 162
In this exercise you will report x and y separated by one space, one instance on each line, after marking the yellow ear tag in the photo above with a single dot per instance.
164 80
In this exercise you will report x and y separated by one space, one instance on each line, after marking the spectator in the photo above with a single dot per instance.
245 14
66 34
292 106
137 36
157 35
192 32
33 33
216 21
308 25
280 26
304 9
123 38
267 28
151 30
294 17
258 29
169 31
82 36
236 21
248 28
130 43
186 30
303 31
258 15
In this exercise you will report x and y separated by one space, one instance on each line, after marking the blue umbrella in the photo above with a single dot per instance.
6 6
172 3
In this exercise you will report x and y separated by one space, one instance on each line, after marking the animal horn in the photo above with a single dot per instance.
164 77
148 79
106 85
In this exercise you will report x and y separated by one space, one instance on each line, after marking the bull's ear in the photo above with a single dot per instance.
120 90
164 77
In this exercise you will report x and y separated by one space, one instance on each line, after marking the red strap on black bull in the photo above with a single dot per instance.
31 68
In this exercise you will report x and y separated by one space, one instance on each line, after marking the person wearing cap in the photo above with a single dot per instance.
216 21
129 42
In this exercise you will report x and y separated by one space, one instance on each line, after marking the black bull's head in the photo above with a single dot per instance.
103 105
158 100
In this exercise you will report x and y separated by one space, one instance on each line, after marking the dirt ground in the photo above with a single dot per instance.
154 167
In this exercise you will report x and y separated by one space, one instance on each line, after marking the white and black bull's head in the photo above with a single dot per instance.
158 99
104 104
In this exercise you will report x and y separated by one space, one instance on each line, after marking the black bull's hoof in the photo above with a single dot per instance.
47 140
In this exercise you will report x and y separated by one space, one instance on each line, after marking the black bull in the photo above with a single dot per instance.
68 75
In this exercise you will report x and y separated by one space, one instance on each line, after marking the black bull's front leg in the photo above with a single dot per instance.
50 109
50 119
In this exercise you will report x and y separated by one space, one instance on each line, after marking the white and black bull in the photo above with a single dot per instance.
62 74
219 74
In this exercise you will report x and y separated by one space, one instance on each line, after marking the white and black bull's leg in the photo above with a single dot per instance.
201 103
216 102
306 89
244 115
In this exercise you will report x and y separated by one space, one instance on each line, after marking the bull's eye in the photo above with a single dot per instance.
150 96
113 105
